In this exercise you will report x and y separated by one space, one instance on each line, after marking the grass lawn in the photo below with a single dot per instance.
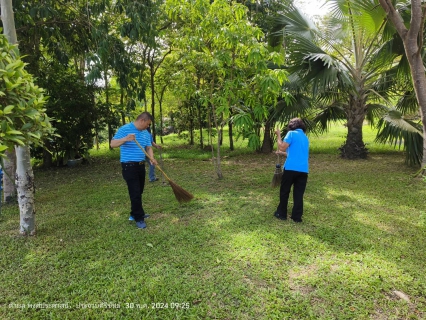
359 254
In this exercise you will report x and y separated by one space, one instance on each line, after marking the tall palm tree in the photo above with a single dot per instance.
339 64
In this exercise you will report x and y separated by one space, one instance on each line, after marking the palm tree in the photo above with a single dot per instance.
339 65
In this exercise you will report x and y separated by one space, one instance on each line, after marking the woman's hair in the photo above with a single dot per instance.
296 123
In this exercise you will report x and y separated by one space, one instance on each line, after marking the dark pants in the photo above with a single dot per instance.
298 180
134 175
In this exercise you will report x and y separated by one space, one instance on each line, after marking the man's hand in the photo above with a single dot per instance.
115 143
130 137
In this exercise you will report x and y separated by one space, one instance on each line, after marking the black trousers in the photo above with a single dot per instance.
134 175
298 180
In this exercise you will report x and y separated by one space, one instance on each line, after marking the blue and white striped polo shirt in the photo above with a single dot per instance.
130 151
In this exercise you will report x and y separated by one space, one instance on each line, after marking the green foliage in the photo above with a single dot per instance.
229 60
354 65
72 106
23 119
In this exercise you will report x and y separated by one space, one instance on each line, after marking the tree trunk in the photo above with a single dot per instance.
419 81
152 82
191 127
25 186
231 136
9 189
8 21
200 124
267 144
47 156
354 147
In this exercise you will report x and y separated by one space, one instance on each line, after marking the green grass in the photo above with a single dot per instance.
223 255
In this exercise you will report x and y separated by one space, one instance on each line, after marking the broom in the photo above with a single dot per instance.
276 179
181 194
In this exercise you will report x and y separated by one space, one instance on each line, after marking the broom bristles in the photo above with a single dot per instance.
181 194
276 179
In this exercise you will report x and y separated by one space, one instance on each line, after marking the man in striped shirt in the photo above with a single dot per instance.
133 159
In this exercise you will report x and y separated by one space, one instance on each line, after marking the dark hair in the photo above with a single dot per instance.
145 116
296 123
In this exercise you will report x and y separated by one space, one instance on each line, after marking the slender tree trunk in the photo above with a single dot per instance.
200 124
9 189
267 144
354 147
191 125
123 116
8 21
25 186
419 80
152 69
219 139
219 136
24 177
47 156
231 136
160 105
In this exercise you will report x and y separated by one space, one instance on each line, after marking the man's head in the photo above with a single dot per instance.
143 121
296 123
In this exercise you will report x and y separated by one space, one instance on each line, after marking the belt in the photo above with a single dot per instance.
133 163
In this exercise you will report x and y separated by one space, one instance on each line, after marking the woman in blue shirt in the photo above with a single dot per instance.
296 169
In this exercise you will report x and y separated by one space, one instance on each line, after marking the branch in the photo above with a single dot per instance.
416 19
395 17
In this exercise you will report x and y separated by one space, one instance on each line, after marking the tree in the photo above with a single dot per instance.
339 64
412 38
234 64
71 105
22 117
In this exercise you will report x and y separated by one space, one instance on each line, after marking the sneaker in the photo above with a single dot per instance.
133 219
141 224
278 216
156 179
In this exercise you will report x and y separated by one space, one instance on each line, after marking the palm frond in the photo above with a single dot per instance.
375 111
397 131
408 104
285 110
328 115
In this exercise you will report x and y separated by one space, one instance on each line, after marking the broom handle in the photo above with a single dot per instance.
157 166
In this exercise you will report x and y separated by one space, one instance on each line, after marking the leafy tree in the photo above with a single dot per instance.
233 61
72 105
338 63
22 117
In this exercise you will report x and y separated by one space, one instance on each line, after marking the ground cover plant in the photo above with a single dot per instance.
359 254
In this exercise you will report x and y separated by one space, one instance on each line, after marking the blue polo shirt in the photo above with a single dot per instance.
130 151
297 151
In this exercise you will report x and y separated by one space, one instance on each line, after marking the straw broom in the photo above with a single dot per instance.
276 179
181 194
